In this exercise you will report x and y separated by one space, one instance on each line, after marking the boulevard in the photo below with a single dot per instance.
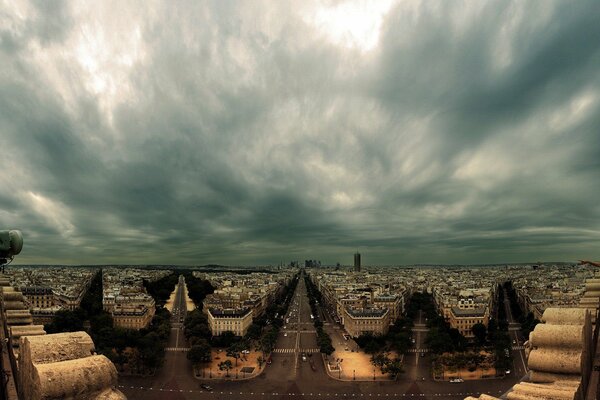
288 376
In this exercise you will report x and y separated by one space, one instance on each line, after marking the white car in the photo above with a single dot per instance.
285 334
457 380
507 371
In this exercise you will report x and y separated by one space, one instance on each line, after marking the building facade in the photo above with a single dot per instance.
233 320
359 322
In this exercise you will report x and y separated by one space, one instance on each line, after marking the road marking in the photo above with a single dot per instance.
177 349
294 350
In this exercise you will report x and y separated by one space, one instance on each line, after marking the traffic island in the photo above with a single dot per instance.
456 367
223 367
352 366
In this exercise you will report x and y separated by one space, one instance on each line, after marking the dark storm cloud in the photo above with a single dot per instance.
259 132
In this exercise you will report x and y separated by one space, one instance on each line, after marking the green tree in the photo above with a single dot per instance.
200 352
66 321
379 360
226 339
480 332
225 366
393 367
254 331
401 342
234 351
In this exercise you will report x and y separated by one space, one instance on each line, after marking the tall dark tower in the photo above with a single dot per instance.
357 262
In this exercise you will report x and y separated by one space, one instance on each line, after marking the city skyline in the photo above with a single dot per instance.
249 133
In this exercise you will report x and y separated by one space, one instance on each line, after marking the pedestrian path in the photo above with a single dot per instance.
293 350
418 350
177 349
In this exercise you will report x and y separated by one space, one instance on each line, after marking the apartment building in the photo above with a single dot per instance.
233 320
239 298
366 321
362 302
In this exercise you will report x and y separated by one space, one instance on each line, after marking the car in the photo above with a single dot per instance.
245 351
457 380
422 354
285 334
206 387
514 342
303 358
507 371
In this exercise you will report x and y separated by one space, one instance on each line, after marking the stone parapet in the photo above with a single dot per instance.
63 366
559 357
12 296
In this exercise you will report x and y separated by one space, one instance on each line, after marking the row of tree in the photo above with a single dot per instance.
515 308
323 339
387 365
196 328
161 289
262 333
197 288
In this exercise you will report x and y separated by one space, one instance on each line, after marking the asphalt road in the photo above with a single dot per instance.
514 331
289 377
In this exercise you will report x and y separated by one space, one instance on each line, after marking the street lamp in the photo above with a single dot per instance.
373 373
353 374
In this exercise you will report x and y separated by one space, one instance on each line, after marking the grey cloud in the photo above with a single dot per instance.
238 133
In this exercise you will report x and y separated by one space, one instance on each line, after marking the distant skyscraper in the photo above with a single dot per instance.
357 262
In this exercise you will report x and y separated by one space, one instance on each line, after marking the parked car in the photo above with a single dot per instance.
206 387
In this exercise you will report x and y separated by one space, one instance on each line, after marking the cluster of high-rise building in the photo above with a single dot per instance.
124 296
240 298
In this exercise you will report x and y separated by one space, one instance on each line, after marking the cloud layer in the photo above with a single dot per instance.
256 132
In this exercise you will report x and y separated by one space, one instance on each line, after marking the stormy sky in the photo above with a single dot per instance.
254 132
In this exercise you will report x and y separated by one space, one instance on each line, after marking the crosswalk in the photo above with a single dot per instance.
418 350
293 350
177 349
427 350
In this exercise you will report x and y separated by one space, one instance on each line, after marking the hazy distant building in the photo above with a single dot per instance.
357 261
